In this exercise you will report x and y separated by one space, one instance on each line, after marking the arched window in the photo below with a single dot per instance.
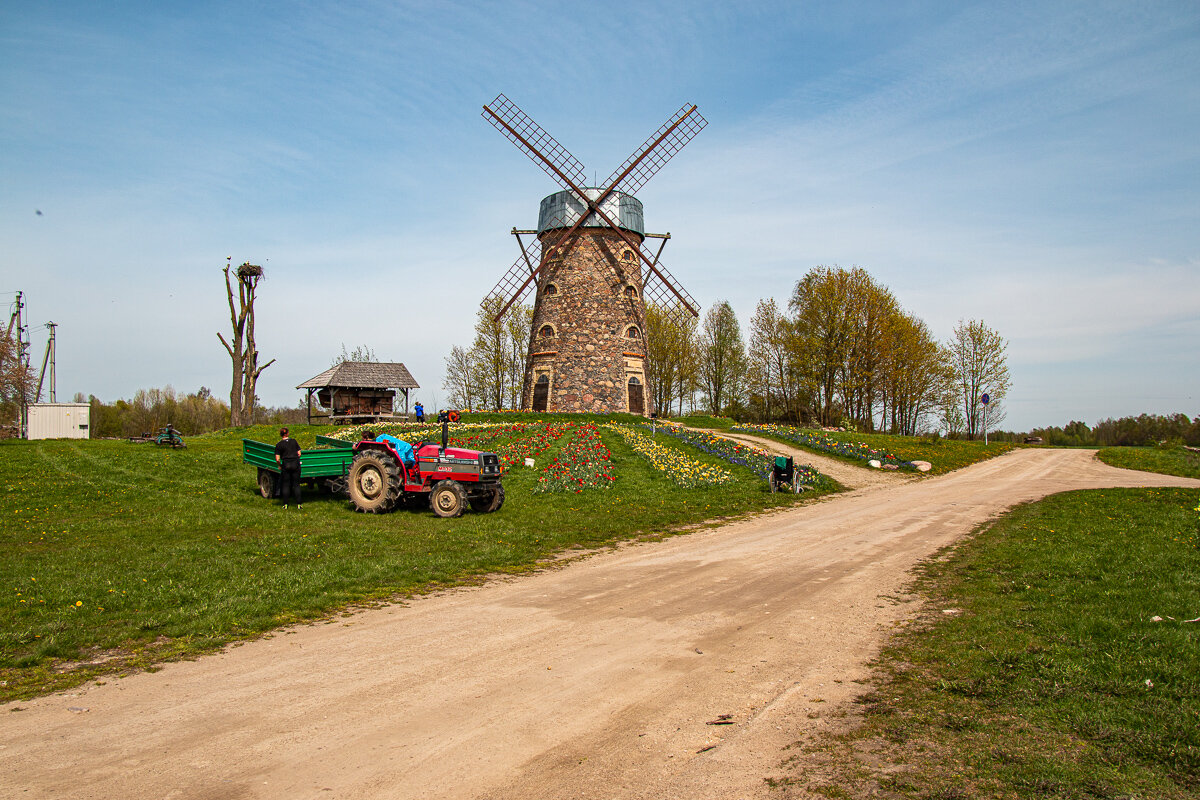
632 332
551 289
630 291
546 331
627 255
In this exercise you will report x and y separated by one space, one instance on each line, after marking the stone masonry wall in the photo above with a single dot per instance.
588 298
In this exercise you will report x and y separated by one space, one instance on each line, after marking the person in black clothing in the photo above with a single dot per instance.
287 455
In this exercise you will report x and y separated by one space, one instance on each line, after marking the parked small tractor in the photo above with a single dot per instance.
377 480
453 477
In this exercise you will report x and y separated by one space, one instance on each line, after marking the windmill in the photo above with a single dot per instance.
590 270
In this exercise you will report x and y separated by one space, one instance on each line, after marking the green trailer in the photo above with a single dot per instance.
326 465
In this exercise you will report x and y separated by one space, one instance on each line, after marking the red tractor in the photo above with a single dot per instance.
453 477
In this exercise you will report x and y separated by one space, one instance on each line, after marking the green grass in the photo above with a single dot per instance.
118 555
1054 679
705 421
1165 460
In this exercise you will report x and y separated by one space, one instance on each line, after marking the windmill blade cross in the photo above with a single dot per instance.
545 151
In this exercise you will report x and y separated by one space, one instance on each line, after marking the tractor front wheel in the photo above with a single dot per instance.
489 501
374 482
448 499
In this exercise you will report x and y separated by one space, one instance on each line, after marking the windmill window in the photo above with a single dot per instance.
632 332
551 289
627 255
546 331
630 292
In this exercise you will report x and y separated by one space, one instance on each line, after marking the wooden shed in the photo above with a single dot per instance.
359 391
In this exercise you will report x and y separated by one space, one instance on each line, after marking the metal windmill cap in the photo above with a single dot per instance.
562 209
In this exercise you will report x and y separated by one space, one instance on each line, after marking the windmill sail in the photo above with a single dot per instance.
660 287
529 137
516 282
657 150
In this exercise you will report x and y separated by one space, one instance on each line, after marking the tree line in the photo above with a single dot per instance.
150 410
842 353
1140 431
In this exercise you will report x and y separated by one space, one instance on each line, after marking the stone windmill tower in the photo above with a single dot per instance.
591 272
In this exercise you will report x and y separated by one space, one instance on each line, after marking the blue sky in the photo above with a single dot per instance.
1034 165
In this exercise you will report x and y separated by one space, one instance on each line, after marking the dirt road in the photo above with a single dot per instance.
598 680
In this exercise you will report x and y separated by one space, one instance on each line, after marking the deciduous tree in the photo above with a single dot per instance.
670 355
914 373
978 360
242 349
18 382
459 381
722 358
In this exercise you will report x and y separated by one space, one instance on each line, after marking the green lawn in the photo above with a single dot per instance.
1165 460
1052 676
126 554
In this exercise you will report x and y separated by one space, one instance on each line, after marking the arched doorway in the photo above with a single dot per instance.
541 392
637 398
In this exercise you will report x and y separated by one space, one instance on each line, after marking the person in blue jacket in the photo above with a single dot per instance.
420 410
402 448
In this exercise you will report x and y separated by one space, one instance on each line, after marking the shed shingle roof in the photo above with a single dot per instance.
363 375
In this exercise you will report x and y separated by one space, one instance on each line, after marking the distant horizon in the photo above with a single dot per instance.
1034 166
1003 429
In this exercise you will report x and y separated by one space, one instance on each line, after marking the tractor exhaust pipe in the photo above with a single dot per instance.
445 435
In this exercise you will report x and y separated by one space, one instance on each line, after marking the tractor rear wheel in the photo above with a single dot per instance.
448 499
374 482
266 483
489 501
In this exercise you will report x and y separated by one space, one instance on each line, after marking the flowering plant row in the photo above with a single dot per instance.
755 458
686 472
821 441
533 439
745 455
584 463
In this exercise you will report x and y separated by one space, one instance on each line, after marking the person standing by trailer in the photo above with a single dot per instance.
287 455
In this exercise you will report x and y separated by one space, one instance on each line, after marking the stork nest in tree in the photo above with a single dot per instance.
248 270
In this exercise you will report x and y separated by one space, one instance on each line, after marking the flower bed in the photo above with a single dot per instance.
820 441
584 463
684 471
533 439
744 455
755 458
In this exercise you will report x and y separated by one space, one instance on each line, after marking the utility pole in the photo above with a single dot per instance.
17 320
48 358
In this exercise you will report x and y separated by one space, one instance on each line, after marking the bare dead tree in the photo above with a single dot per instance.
243 352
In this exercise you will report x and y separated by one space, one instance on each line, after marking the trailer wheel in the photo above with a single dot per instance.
489 501
374 482
266 483
448 499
